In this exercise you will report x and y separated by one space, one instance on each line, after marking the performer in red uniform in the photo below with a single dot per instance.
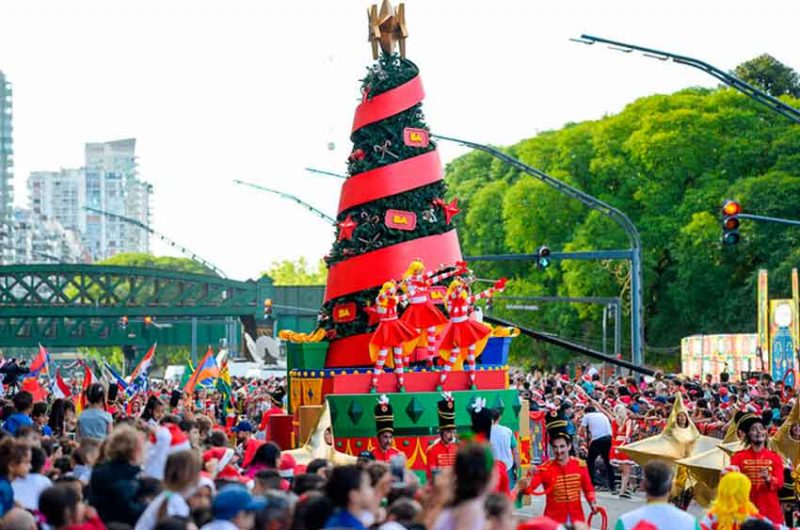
461 335
391 334
563 477
421 314
384 427
442 452
763 467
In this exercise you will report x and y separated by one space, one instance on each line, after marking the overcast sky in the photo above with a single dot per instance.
258 90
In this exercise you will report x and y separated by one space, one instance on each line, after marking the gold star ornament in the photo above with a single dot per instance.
317 447
387 28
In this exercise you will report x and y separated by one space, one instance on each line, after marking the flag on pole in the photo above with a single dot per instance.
224 387
88 379
188 370
31 384
138 380
115 377
206 369
39 364
61 388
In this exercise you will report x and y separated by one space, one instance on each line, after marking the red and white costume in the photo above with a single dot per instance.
461 335
620 437
421 313
392 333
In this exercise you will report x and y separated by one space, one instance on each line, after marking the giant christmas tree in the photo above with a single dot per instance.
392 208
392 211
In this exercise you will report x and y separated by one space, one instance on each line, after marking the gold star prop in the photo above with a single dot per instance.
387 28
782 441
315 446
674 443
704 469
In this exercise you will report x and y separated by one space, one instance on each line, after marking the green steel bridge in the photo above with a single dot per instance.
65 306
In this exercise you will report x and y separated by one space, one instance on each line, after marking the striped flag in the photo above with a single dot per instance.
206 369
61 388
88 379
118 379
139 378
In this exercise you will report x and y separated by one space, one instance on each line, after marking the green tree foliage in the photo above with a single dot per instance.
297 272
140 259
771 75
668 162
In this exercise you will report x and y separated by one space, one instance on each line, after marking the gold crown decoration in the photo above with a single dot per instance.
387 28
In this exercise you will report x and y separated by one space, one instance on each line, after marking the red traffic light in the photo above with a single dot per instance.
731 208
731 223
148 321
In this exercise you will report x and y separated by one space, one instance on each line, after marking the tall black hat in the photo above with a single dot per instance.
481 418
384 416
556 426
747 420
447 412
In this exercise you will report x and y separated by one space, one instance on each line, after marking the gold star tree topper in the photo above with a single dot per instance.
387 28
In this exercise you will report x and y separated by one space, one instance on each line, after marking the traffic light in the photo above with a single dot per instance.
543 256
148 321
123 322
730 222
267 308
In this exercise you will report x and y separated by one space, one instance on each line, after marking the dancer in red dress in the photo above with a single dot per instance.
421 314
622 434
392 333
462 334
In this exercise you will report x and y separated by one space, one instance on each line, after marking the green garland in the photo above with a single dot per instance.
389 72
372 232
371 139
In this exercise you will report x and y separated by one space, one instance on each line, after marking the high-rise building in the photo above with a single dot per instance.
59 195
6 170
113 185
40 240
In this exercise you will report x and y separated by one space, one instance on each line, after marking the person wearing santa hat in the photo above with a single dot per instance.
164 440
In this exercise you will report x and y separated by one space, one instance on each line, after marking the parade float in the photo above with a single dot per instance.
398 316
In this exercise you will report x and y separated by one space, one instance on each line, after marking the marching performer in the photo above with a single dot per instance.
392 333
462 334
763 467
442 452
421 313
384 430
563 477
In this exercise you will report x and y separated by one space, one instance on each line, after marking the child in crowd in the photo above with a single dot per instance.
27 489
23 406
63 509
15 462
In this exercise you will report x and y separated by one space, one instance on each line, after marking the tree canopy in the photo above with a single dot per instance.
297 272
668 162
771 75
141 259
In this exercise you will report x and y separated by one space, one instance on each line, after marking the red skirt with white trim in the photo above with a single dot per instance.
463 334
423 316
392 334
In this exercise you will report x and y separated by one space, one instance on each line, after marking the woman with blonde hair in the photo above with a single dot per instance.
181 477
392 334
622 431
732 506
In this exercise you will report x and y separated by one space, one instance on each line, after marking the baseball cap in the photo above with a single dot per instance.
234 499
244 426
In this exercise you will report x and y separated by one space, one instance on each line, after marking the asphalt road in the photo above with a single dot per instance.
612 503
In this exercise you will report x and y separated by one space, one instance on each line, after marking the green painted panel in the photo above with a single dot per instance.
415 414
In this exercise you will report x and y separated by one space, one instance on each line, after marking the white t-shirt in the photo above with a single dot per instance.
598 424
176 507
502 440
28 489
661 515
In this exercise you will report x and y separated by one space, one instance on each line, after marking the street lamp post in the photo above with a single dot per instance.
635 252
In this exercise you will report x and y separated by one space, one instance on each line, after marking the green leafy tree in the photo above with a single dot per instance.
297 272
668 162
771 75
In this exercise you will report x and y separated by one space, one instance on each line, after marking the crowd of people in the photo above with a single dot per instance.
170 461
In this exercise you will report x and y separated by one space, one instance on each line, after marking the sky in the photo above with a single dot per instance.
258 90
